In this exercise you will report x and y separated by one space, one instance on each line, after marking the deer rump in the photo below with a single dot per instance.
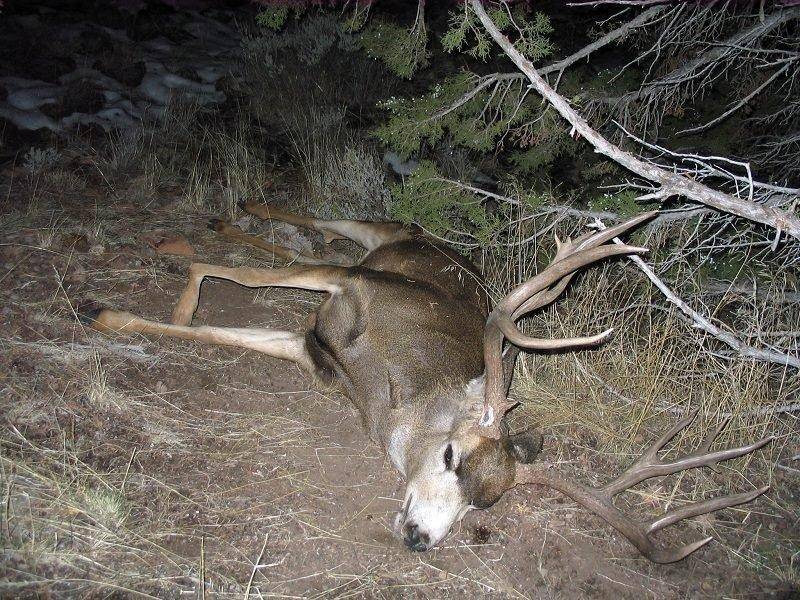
406 334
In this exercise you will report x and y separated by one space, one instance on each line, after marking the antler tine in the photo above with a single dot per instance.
654 467
653 449
569 247
695 509
516 337
543 297
591 240
706 445
558 270
601 500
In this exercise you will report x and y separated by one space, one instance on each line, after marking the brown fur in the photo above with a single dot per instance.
486 472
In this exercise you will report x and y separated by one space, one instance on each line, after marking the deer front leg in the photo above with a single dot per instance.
317 278
287 345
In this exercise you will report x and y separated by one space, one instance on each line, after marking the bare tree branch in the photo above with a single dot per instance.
618 33
481 83
702 323
738 104
670 183
622 2
702 70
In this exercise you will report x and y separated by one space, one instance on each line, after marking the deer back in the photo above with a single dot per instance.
408 322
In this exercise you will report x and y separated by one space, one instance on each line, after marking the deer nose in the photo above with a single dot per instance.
416 541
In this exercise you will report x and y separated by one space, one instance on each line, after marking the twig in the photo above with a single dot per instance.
580 213
203 567
702 323
255 568
483 83
618 33
670 183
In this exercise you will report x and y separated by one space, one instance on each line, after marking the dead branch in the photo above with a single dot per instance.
670 183
702 323
486 81
703 167
481 84
618 33
619 2
722 288
702 67
736 106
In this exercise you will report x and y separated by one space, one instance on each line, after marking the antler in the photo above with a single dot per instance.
535 293
601 500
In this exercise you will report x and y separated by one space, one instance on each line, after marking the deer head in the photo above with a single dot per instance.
471 462
455 469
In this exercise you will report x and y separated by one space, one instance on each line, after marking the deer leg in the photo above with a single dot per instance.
237 235
280 344
319 278
368 234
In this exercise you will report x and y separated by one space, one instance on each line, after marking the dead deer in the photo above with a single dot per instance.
406 334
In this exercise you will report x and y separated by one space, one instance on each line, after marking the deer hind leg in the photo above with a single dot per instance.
368 234
280 344
237 235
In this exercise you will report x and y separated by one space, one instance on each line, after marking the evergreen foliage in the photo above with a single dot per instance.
404 51
467 35
273 18
475 124
426 198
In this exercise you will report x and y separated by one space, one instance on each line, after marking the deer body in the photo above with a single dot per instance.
406 334
393 360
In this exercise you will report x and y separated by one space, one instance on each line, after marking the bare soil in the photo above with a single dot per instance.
235 473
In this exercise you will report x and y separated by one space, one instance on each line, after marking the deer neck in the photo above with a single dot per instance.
434 418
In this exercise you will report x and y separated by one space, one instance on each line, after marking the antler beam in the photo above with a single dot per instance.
601 500
535 293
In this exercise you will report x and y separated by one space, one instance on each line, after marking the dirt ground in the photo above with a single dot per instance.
227 467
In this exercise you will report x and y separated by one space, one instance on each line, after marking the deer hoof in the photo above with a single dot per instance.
216 225
88 312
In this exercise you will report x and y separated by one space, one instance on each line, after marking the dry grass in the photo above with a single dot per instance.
343 176
613 401
318 114
121 474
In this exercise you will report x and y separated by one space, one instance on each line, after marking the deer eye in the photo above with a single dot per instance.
448 457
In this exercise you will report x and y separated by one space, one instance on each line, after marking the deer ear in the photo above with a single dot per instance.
525 446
